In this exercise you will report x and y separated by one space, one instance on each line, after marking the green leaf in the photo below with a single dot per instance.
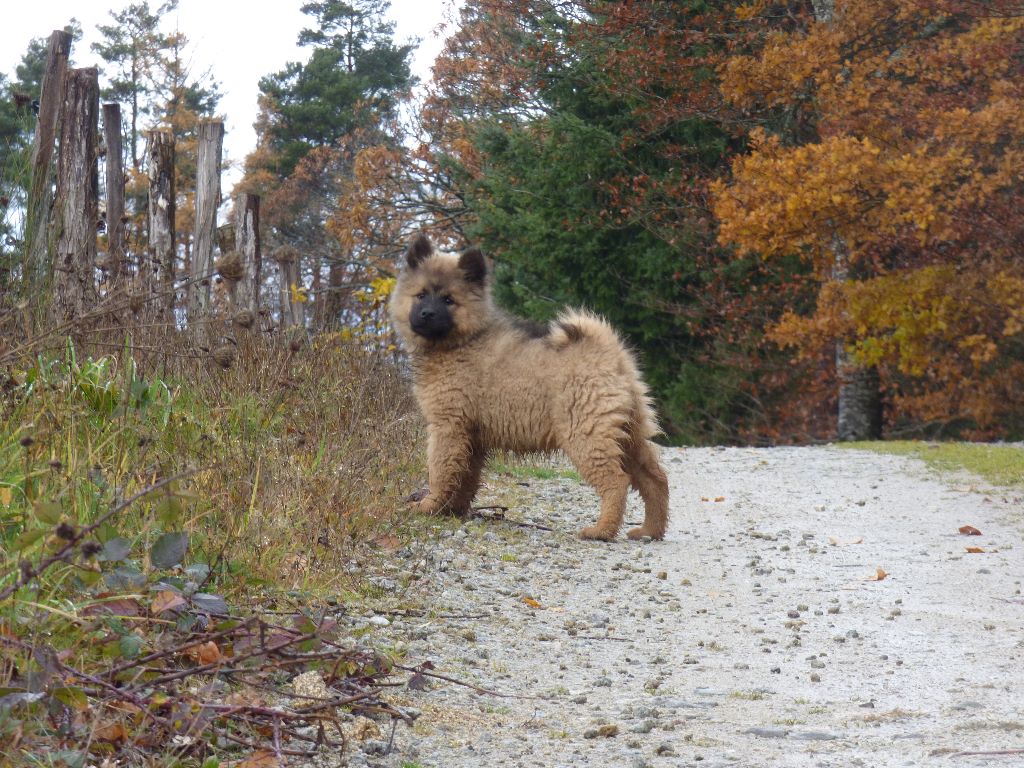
74 698
168 510
209 603
115 549
198 572
48 512
89 578
169 550
106 532
28 538
130 645
124 577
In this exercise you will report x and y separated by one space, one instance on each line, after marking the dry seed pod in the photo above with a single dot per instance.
286 254
231 267
244 319
224 355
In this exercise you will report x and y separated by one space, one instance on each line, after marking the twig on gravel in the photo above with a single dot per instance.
988 752
500 517
422 670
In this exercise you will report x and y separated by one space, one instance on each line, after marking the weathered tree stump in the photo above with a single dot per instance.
75 208
114 262
51 101
211 140
157 274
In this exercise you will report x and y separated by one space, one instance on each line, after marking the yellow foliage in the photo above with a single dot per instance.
911 183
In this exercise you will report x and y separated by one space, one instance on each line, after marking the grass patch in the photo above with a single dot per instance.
1001 465
532 467
152 505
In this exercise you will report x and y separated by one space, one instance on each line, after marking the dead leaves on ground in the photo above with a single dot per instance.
879 575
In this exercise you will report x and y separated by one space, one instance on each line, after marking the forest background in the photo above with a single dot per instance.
805 217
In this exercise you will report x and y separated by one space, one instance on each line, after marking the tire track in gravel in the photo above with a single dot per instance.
756 634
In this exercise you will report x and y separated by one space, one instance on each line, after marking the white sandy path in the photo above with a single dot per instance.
751 636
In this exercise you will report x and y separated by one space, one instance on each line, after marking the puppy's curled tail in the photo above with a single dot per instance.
578 326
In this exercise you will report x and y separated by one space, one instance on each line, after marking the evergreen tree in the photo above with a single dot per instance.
355 78
133 47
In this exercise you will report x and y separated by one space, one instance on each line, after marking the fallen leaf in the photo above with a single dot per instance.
969 530
206 653
118 607
388 542
262 758
531 602
975 550
6 494
167 600
704 498
879 575
839 543
115 733
719 498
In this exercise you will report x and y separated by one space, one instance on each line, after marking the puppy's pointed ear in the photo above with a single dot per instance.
473 266
419 249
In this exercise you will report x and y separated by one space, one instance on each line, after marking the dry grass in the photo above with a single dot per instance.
298 457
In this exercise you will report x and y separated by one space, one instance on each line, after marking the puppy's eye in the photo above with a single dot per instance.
449 300
421 295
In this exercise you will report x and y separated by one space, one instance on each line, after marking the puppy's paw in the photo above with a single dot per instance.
644 532
417 496
597 533
423 502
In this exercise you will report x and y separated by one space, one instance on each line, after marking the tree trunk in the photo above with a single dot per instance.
117 268
860 400
211 140
73 228
40 197
247 246
157 274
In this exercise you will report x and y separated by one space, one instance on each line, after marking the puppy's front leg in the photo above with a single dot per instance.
449 460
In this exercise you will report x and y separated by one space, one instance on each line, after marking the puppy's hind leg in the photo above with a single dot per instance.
649 479
600 464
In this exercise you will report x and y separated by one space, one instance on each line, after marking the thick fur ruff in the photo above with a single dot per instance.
487 381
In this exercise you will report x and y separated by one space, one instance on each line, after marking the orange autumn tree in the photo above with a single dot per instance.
902 148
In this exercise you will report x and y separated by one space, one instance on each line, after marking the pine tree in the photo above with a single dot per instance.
355 78
133 47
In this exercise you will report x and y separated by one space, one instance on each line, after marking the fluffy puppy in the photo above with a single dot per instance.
486 381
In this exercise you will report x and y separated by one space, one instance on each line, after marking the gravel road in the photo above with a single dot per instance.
809 607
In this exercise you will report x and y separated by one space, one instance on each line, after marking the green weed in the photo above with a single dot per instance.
1001 465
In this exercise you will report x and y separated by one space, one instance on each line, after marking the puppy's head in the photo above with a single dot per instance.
441 299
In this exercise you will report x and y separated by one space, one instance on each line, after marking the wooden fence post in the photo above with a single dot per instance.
40 196
157 274
73 226
247 246
115 259
211 140
292 313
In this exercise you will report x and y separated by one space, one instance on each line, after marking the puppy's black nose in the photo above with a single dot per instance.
427 314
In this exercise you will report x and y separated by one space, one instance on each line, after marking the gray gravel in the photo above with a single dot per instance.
758 633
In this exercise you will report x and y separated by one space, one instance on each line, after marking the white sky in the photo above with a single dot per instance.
240 41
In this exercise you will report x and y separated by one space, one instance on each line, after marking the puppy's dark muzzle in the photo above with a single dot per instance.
431 319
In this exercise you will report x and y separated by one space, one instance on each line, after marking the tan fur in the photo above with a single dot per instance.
489 385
